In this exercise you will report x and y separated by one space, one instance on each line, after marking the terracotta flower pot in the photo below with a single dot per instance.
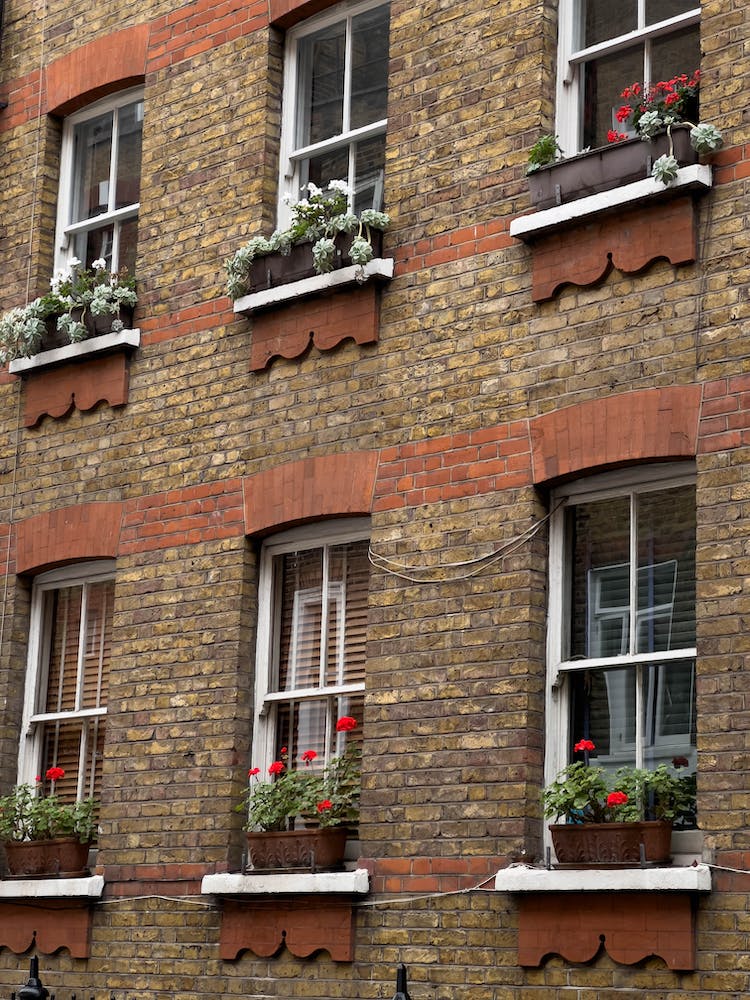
63 856
605 168
611 843
276 269
313 850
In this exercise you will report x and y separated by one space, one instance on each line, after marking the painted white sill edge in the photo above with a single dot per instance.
90 887
71 352
695 175
233 884
522 878
380 267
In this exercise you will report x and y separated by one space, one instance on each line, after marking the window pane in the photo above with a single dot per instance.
599 534
327 167
604 19
604 80
660 10
675 54
350 575
368 183
666 570
92 152
68 744
321 74
369 67
130 121
311 725
603 710
301 619
63 661
670 713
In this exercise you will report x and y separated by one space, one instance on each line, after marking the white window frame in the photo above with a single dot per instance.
571 59
266 681
644 479
65 228
291 156
40 633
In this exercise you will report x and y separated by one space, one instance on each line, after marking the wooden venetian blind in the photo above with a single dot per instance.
72 716
321 624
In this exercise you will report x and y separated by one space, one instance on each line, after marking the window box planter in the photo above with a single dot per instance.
64 857
605 168
308 850
597 844
277 269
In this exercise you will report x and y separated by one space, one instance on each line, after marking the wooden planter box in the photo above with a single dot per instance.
276 269
583 844
605 168
61 857
309 850
96 326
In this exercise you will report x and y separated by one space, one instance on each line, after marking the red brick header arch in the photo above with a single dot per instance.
98 68
645 425
69 534
308 490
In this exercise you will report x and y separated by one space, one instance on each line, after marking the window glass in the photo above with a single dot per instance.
628 566
100 184
625 51
71 665
607 20
318 598
337 112
660 10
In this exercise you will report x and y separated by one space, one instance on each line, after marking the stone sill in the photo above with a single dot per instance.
90 887
320 883
346 277
521 878
83 350
530 227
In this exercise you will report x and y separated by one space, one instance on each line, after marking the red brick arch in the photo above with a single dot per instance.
309 490
103 65
68 534
640 426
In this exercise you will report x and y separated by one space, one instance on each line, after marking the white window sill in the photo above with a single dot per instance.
527 227
521 878
90 887
379 268
72 352
320 883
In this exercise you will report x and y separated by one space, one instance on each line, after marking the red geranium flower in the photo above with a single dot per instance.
345 724
308 755
616 799
276 768
680 762
54 774
325 805
584 745
253 771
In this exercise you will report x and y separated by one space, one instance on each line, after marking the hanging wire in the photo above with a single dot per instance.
457 570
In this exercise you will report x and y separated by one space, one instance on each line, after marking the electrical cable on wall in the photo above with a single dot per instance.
456 570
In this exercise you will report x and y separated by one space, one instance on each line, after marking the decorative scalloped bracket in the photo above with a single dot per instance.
323 310
76 376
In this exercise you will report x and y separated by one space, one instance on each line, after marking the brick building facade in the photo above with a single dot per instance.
520 368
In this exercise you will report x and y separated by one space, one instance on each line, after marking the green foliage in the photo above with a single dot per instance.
71 296
327 797
316 219
545 150
27 814
586 793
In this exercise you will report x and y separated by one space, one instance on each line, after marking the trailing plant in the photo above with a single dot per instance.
27 813
317 220
73 294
